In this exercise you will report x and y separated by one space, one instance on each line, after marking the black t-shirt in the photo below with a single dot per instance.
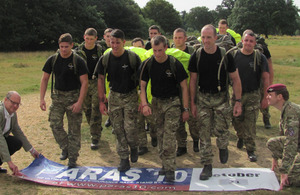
250 79
208 70
163 82
66 79
122 78
91 60
148 45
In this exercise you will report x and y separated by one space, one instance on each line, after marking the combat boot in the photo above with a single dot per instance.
107 123
134 155
162 171
181 151
64 154
206 172
170 176
124 165
95 144
143 150
240 143
72 164
252 157
196 145
154 141
267 123
223 155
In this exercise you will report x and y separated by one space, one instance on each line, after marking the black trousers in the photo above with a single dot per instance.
14 144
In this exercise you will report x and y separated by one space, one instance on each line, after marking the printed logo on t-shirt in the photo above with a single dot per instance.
251 64
94 56
168 73
71 67
124 66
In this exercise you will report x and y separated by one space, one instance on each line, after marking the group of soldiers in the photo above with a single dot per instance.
199 96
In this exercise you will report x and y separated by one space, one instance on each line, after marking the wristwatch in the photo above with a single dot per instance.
238 100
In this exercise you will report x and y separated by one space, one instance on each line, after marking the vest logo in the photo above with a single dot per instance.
70 66
169 73
124 66
94 56
251 64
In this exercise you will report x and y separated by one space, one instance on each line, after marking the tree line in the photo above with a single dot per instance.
31 25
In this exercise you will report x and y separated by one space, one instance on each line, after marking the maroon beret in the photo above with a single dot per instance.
276 87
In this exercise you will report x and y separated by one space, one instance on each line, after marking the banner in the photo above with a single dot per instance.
47 172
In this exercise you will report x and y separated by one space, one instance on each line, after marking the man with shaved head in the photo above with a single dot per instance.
9 144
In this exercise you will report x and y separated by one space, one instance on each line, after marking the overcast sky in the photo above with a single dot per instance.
181 5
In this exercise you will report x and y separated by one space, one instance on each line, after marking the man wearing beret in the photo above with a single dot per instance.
287 145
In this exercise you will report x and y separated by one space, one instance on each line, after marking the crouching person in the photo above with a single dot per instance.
287 145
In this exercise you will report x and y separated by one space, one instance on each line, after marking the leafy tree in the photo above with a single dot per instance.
124 15
263 16
37 24
164 14
224 10
199 17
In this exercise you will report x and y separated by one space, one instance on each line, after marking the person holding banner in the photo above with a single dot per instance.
287 145
9 144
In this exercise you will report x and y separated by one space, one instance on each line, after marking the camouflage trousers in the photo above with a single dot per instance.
181 134
213 117
91 110
276 145
167 114
141 119
61 103
122 110
245 124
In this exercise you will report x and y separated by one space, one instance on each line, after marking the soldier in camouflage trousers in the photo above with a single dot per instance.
122 73
287 145
91 52
67 93
212 108
166 105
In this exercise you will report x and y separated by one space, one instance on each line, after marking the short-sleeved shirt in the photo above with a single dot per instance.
208 70
66 79
250 78
164 84
91 60
120 74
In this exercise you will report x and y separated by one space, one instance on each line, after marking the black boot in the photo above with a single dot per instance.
223 155
170 176
134 155
124 165
181 151
72 164
267 123
64 155
95 144
154 141
162 171
143 150
206 172
252 157
196 145
107 123
240 143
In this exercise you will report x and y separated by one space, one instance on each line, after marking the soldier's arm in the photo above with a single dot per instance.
271 71
290 147
101 94
146 110
43 88
265 80
185 98
237 89
193 84
83 90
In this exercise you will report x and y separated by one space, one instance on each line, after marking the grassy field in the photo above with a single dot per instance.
22 71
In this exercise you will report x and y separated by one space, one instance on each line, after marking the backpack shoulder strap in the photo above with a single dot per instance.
132 59
224 60
198 55
172 65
